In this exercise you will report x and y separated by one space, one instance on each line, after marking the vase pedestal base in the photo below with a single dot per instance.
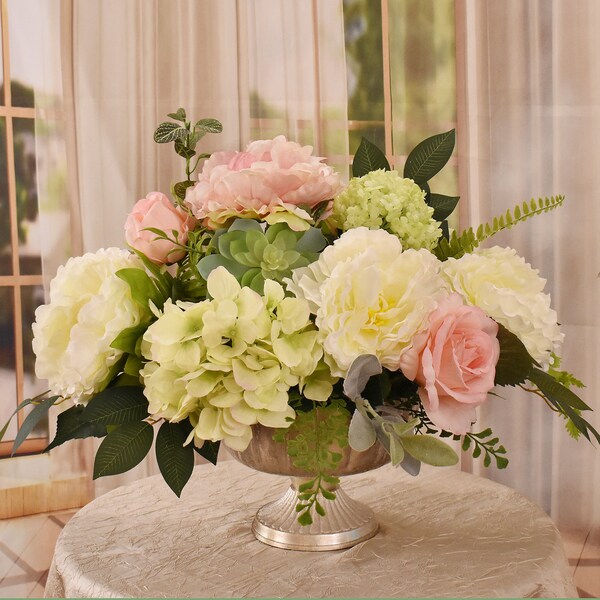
345 524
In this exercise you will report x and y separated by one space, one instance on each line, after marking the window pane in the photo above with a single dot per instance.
1 72
5 246
423 77
364 61
31 297
30 235
8 386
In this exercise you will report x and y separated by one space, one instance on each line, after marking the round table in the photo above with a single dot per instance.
443 534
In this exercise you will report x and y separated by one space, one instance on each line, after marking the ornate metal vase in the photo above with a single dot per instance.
346 521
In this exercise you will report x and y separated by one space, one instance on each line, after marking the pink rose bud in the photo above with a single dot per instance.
454 363
157 211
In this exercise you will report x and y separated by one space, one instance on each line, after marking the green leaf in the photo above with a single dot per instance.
208 264
501 462
320 510
180 188
133 366
117 406
32 419
179 115
169 132
430 450
562 398
71 426
142 287
127 339
442 205
368 158
175 461
554 390
515 363
361 433
428 157
209 451
209 125
21 406
183 150
123 449
305 519
466 443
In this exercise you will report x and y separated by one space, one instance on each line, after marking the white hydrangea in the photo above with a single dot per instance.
369 296
89 306
385 200
509 290
228 363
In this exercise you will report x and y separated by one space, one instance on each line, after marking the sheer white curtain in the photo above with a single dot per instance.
261 68
529 113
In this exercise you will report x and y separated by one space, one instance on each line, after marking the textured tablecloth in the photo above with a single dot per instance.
443 534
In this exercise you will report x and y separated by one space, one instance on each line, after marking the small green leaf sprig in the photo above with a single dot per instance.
185 137
314 441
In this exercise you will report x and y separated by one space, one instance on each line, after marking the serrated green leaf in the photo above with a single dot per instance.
368 158
123 449
175 461
443 206
429 449
428 157
169 132
209 125
117 406
38 412
70 426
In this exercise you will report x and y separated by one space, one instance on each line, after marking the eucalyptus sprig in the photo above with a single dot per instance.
186 137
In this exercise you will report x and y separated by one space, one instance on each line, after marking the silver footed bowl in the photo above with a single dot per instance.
346 521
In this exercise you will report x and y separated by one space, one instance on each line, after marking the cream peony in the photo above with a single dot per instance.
271 180
89 306
228 363
369 297
501 283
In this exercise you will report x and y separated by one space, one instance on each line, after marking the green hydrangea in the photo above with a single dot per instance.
384 200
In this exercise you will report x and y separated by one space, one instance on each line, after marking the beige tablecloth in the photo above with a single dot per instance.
443 534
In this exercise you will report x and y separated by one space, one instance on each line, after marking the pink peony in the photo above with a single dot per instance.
157 211
454 363
271 177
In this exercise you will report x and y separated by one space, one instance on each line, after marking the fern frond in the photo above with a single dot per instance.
468 240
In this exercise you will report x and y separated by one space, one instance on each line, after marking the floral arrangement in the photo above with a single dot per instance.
267 292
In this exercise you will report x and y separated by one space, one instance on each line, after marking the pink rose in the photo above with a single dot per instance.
156 210
270 176
454 363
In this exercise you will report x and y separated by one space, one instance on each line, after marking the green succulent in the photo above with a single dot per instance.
252 255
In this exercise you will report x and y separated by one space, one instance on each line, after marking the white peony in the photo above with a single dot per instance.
369 297
89 306
509 290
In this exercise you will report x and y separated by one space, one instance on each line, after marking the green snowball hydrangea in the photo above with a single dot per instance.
384 200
